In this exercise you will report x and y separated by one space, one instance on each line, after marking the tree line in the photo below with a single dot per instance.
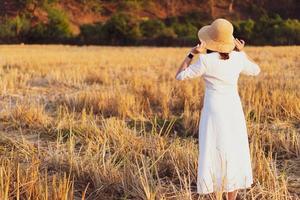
126 29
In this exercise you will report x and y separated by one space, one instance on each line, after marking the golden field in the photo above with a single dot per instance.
113 123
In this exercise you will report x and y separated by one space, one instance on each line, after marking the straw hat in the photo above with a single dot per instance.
218 36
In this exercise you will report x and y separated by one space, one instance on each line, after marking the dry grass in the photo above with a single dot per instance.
113 123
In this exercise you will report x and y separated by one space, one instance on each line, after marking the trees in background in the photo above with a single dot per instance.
15 29
57 29
126 28
269 30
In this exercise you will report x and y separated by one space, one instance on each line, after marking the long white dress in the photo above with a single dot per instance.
224 159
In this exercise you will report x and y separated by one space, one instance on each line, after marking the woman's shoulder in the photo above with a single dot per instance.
209 56
239 54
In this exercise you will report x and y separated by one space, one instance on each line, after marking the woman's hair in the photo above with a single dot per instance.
223 56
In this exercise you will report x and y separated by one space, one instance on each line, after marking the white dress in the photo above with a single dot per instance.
224 159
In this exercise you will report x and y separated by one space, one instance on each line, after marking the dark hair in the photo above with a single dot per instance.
223 56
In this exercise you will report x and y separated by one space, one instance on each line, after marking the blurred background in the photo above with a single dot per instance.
145 22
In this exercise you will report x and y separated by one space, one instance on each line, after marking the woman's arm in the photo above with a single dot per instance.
250 66
186 62
200 48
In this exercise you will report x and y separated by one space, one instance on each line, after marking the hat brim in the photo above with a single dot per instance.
223 47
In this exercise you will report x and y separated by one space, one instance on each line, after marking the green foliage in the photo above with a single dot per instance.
269 30
195 18
126 28
122 28
38 33
56 30
7 30
244 29
11 29
275 30
152 28
92 33
58 24
186 30
291 29
168 33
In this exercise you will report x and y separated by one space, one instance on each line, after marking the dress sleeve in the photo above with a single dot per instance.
193 70
248 67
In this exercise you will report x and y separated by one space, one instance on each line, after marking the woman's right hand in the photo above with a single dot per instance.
239 44
200 48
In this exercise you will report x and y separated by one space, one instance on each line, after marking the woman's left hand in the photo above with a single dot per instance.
200 48
239 44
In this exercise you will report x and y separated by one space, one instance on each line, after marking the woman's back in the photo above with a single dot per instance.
220 74
223 74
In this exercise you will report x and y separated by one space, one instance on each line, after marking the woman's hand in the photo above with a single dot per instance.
239 44
200 48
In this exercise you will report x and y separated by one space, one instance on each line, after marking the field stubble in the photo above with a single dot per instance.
113 123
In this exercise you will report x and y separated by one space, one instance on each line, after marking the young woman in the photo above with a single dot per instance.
224 163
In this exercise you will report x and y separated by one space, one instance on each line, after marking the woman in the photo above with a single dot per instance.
224 160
